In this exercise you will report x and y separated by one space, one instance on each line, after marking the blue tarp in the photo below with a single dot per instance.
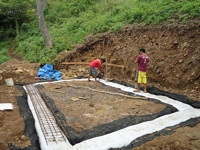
47 72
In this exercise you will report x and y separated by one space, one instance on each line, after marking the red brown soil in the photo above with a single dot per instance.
11 124
174 53
174 56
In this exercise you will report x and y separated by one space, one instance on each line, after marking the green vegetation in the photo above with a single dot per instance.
3 53
69 21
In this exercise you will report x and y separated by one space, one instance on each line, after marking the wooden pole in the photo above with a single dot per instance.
106 63
87 63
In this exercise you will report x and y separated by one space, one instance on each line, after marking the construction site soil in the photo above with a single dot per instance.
174 71
106 104
90 109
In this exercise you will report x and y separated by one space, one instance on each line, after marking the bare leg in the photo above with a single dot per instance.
138 89
95 77
89 71
145 87
88 77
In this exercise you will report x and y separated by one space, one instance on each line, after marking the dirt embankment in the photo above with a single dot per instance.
173 50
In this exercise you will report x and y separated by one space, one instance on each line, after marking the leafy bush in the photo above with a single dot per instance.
4 57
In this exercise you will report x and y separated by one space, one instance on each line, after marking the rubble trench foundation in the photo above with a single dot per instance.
77 135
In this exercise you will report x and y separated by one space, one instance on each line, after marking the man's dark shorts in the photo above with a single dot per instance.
92 71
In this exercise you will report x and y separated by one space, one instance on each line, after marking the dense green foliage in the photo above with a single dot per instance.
3 53
69 21
12 14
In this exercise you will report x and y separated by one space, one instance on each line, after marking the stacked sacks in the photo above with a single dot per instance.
47 72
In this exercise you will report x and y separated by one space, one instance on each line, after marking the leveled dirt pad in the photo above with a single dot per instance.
92 108
88 104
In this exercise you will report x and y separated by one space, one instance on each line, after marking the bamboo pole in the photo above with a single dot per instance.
87 63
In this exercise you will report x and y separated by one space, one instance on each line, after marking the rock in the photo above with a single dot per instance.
31 72
91 104
19 70
161 63
193 73
23 138
157 70
80 69
180 60
186 45
84 98
1 78
175 43
177 143
75 99
195 60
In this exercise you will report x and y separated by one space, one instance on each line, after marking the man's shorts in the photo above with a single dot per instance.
92 71
142 77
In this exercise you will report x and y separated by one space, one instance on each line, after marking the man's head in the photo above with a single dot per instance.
103 60
142 50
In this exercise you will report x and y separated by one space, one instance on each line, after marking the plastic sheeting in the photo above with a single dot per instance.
47 72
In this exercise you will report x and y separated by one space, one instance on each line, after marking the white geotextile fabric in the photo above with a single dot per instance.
43 145
125 136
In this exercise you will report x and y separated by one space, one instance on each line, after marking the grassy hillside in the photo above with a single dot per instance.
69 21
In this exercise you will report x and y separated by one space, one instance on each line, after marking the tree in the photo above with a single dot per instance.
45 3
42 25
12 14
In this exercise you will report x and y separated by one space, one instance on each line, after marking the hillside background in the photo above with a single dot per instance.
70 21
82 30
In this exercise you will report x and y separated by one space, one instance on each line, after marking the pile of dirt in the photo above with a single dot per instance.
22 72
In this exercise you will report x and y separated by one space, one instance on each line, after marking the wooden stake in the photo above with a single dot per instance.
106 63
